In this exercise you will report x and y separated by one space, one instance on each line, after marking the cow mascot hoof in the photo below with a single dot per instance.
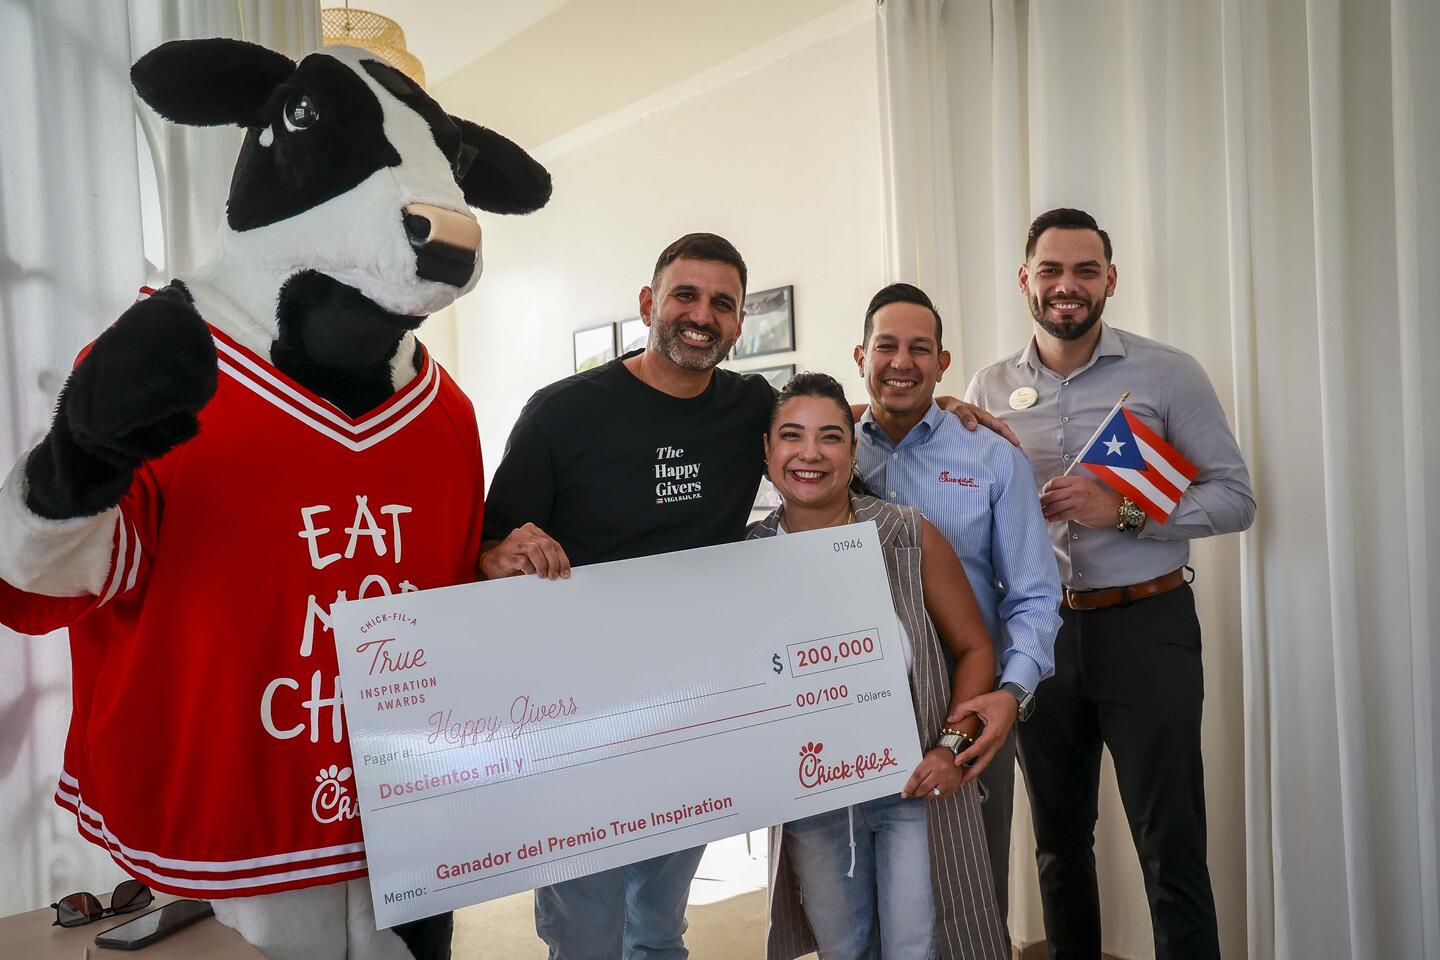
239 450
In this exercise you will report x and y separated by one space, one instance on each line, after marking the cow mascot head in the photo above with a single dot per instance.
236 452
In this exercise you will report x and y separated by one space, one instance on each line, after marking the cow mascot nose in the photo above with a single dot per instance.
242 447
446 243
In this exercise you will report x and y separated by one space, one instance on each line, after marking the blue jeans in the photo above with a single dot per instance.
887 908
635 912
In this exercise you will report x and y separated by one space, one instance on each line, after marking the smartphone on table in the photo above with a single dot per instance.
155 925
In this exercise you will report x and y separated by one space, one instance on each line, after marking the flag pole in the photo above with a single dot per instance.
1103 423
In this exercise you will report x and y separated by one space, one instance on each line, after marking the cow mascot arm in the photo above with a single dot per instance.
204 445
133 396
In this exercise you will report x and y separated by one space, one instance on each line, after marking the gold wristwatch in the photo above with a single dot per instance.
1132 518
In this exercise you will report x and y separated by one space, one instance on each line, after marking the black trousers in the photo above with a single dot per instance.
1127 677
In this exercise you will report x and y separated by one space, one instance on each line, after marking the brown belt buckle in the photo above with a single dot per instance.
1074 602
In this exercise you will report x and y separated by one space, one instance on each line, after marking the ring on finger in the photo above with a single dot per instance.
935 792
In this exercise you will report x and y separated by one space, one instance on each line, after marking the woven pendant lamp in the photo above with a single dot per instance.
379 34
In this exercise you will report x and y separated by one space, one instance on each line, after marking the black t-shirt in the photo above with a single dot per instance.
613 469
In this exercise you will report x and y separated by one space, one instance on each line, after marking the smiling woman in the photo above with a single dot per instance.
810 451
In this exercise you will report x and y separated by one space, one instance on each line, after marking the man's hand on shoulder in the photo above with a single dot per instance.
527 549
1088 502
972 417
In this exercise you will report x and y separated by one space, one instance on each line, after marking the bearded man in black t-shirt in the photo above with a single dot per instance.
656 451
653 452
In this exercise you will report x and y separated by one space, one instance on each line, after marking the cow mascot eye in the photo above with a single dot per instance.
300 113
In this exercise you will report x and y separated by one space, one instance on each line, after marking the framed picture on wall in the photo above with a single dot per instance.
633 334
769 324
594 346
778 376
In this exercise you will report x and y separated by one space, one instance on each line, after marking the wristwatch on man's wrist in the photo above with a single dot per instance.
1024 697
1132 518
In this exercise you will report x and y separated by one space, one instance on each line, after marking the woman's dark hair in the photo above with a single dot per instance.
808 383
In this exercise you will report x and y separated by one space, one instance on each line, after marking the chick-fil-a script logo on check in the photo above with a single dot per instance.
815 772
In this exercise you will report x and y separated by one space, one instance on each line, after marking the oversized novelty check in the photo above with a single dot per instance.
517 733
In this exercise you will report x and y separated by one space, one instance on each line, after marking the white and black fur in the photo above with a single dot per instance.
317 266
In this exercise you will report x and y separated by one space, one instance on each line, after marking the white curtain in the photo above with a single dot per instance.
1267 171
97 196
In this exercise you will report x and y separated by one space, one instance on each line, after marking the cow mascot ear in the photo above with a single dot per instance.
207 83
495 174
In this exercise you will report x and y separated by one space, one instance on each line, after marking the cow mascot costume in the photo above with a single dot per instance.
236 452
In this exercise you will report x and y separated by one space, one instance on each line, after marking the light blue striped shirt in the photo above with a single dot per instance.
979 491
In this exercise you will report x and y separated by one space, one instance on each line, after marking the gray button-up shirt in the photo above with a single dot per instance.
1172 394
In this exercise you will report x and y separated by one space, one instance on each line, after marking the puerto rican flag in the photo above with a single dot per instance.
1136 461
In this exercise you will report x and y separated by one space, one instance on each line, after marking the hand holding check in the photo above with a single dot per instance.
937 776
527 549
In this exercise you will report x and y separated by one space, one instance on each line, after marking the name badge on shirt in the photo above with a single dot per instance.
1023 398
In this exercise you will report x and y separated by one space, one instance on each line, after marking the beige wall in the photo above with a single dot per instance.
784 161
594 56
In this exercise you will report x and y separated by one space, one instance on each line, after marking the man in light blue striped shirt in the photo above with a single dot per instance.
979 491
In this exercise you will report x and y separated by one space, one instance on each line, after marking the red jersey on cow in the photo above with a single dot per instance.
205 766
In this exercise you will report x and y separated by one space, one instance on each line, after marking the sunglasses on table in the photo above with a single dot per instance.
79 909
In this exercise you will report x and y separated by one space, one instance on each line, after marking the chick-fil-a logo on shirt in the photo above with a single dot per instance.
815 772
963 481
331 800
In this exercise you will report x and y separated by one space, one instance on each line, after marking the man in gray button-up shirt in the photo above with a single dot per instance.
1127 659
